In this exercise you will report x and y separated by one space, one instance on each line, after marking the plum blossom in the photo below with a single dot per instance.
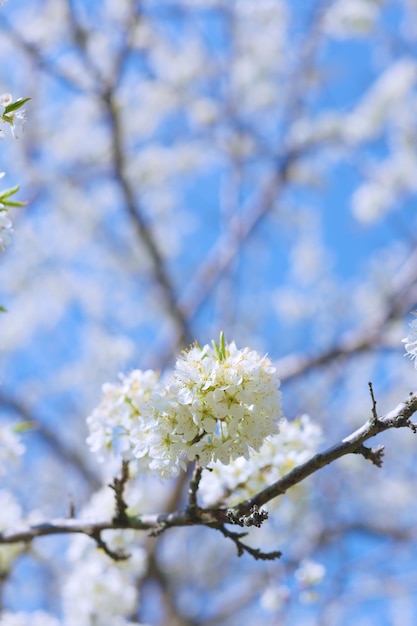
295 443
310 573
232 401
219 403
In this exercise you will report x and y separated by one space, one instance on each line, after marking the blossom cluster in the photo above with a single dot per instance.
296 442
219 403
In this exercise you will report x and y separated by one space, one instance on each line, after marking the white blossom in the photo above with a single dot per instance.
295 443
5 100
97 591
227 404
310 573
274 597
411 342
217 406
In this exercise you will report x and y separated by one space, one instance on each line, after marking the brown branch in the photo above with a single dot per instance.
401 296
398 418
116 555
141 227
243 548
247 512
193 487
118 485
45 64
224 251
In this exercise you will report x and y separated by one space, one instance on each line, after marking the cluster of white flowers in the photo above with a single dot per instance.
296 442
218 404
411 342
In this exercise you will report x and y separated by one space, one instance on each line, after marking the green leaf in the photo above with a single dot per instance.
7 118
4 195
216 349
22 427
14 203
14 106
220 349
9 192
222 345
3 310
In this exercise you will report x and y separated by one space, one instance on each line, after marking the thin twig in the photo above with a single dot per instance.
193 487
118 487
374 411
243 547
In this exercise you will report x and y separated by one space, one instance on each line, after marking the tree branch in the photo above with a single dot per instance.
248 512
401 296
397 418
138 221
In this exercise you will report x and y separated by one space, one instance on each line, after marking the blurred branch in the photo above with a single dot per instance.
154 570
142 229
216 518
241 225
34 53
51 439
402 295
366 528
172 616
227 247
